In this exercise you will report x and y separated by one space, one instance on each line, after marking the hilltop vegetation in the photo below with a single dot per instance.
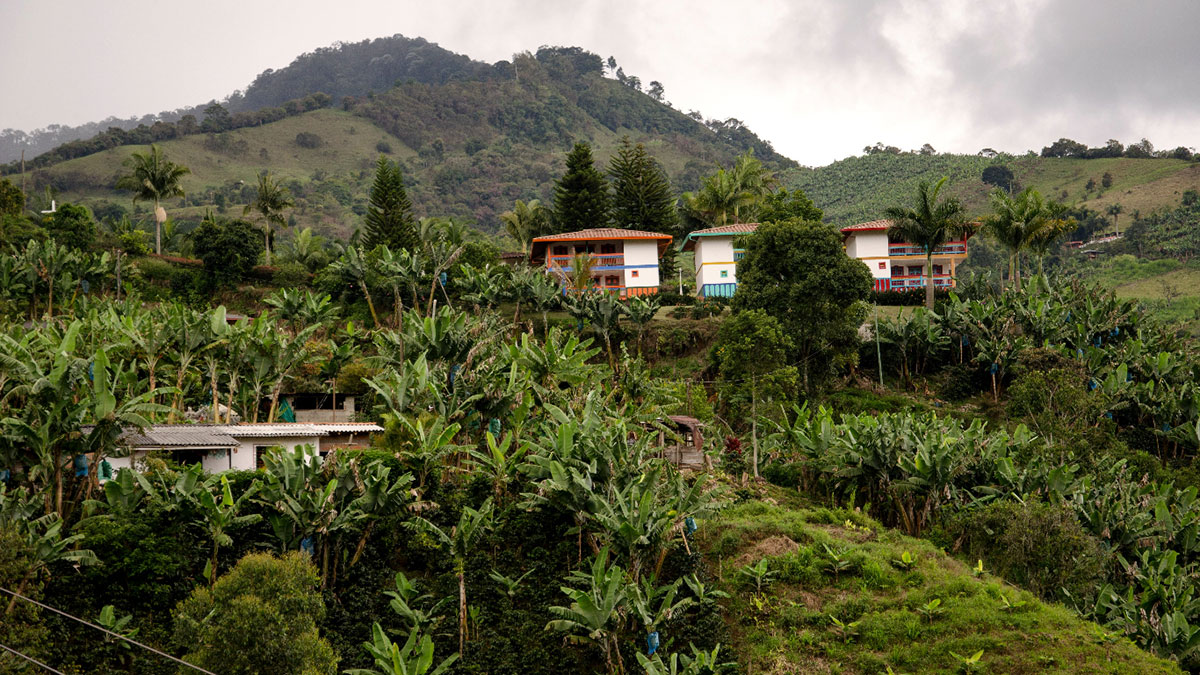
858 189
469 143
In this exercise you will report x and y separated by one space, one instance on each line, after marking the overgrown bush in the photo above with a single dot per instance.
307 139
1037 546
291 274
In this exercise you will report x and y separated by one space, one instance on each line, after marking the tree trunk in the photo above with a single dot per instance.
216 416
754 422
58 483
20 591
267 242
370 304
462 613
157 230
929 277
1017 270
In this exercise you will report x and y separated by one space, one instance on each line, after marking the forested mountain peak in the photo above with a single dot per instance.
356 68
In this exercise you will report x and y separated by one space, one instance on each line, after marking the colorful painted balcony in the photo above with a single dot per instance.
901 250
599 261
917 281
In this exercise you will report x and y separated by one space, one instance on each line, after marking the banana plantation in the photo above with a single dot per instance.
518 514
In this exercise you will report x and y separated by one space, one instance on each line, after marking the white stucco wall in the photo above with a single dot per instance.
641 252
245 452
716 257
872 249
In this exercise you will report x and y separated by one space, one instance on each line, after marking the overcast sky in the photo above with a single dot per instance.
820 79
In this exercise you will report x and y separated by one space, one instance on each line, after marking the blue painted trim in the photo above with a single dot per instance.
718 290
613 268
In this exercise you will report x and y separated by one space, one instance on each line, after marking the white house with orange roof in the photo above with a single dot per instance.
897 265
625 262
716 258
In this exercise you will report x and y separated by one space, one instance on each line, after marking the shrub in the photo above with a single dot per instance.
1040 547
908 297
384 147
307 139
291 275
671 298
261 617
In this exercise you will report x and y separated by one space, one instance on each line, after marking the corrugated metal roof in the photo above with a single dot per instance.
179 436
264 430
348 427
602 233
689 242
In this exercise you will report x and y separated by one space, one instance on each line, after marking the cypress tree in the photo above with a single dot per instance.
389 219
581 195
642 197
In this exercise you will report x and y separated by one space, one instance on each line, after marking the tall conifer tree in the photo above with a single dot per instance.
389 219
642 198
581 195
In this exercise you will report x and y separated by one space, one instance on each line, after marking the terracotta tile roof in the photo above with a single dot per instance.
874 225
689 242
603 233
736 228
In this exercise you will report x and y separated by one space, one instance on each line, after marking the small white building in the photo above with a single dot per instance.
716 258
897 265
226 447
625 261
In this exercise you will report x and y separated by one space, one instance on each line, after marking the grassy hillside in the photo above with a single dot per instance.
891 622
468 147
858 189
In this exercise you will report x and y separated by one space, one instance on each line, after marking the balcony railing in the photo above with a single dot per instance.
918 280
738 254
598 260
900 250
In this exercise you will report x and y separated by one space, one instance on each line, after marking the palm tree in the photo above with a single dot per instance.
1015 222
153 178
929 223
270 202
719 200
1115 210
1055 225
525 221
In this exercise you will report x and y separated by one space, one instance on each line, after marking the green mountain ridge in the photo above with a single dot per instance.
468 148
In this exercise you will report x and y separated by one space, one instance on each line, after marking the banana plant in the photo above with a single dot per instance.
462 539
219 514
414 658
595 613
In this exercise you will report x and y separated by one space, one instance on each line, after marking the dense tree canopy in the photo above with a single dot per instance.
389 220
581 199
797 272
260 618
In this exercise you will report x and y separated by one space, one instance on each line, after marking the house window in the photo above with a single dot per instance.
883 265
635 273
612 280
915 270
724 274
608 248
560 250
937 269
898 270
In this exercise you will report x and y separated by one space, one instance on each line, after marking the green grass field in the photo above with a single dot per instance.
792 625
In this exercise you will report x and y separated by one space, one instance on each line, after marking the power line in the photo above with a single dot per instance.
105 630
31 660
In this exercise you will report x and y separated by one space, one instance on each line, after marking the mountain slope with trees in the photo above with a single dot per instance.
470 141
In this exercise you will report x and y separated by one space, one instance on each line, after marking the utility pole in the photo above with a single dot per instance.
878 351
